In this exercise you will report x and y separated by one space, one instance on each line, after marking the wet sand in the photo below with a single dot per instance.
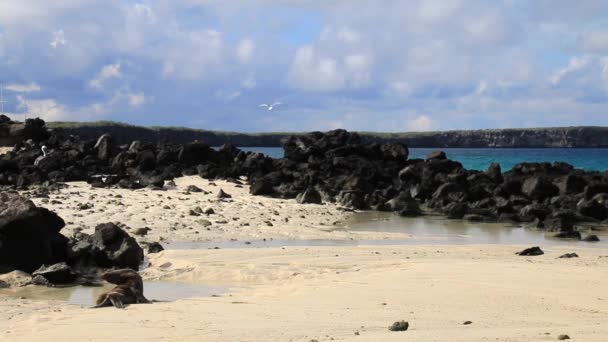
299 293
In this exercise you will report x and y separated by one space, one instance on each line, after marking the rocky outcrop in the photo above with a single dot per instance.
531 137
12 132
336 166
30 241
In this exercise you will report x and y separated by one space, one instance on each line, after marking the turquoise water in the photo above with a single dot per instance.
480 158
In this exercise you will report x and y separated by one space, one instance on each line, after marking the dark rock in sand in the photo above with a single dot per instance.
194 188
113 247
261 187
155 247
568 256
399 326
29 235
222 194
59 273
141 231
591 238
532 251
563 337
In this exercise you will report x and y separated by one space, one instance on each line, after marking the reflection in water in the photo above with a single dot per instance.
431 229
85 296
425 230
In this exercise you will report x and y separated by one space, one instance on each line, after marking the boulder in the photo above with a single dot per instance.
113 247
411 209
456 210
104 147
437 155
194 188
571 184
592 208
29 235
539 188
532 251
494 173
221 194
155 247
311 195
59 273
574 235
591 238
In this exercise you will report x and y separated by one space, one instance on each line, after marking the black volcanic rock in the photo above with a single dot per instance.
113 247
532 251
29 235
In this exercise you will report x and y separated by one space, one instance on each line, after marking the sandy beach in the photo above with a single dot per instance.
312 293
347 294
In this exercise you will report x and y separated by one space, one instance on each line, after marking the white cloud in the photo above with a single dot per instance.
421 123
106 73
596 41
312 73
58 39
249 82
575 64
47 109
245 50
136 100
193 55
23 88
227 96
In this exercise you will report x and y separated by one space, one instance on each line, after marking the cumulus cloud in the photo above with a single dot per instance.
107 72
421 124
58 39
137 100
465 63
47 109
23 88
244 50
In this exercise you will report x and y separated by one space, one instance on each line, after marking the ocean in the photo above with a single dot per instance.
480 158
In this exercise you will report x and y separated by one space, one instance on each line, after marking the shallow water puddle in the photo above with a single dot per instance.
438 230
86 295
421 231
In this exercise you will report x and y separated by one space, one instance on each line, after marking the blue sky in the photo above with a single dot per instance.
384 65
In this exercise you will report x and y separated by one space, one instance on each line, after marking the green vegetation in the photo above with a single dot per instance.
382 135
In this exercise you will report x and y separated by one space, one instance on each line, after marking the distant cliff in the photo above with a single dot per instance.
529 137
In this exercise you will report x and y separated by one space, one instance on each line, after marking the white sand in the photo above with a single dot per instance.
324 293
166 213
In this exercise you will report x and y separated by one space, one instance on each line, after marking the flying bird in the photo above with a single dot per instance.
270 107
40 158
59 39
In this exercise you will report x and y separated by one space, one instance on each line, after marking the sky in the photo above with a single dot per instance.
382 65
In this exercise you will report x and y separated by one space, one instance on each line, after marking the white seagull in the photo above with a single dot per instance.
40 158
270 107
